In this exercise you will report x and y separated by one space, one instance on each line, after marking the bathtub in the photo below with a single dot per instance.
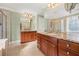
3 46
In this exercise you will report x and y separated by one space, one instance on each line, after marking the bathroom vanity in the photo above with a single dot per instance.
28 36
55 45
62 37
47 44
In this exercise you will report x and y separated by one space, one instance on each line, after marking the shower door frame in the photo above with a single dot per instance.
4 25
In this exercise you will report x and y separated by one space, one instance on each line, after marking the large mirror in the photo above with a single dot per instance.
26 25
55 26
27 22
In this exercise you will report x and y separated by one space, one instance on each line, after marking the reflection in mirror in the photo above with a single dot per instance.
58 27
67 27
55 26
26 24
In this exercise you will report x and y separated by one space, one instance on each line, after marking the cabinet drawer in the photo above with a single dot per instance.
67 53
62 52
43 45
74 47
72 53
63 44
68 45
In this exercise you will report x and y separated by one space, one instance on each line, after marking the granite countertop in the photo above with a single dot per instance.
52 34
74 37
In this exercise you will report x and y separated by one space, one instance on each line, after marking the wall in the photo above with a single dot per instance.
15 17
41 24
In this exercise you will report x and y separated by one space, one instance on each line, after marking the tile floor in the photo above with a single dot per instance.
26 49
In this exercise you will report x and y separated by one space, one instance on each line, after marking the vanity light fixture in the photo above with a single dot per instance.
28 15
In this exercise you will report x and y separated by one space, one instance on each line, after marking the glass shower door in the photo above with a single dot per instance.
3 25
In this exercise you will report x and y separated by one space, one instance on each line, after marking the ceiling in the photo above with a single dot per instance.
39 8
22 7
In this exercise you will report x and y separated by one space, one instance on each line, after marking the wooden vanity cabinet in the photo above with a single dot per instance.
47 45
52 46
28 36
67 48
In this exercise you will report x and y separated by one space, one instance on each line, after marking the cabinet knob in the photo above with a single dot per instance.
68 53
68 45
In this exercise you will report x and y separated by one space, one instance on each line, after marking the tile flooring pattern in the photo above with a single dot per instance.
26 49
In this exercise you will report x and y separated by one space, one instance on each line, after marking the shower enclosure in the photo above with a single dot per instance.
3 33
3 25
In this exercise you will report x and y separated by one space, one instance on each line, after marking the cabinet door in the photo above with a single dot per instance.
26 37
67 53
44 46
22 37
32 34
74 47
38 41
52 49
63 44
62 52
73 53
